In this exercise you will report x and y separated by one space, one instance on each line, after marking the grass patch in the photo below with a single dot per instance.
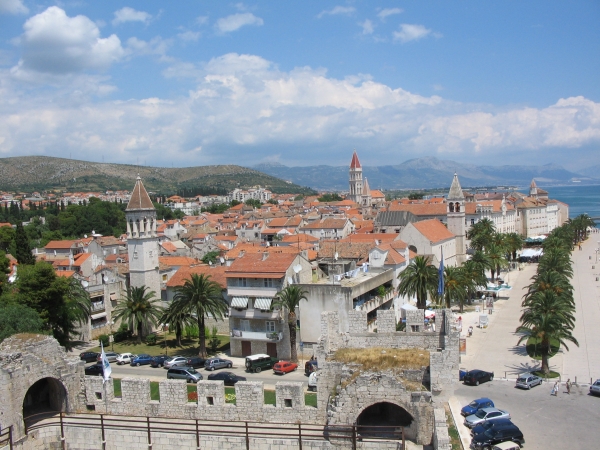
117 386
455 441
189 346
379 359
533 350
551 374
310 400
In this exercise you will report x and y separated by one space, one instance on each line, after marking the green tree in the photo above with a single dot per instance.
23 248
475 276
7 239
201 297
481 234
497 258
329 197
138 309
456 286
253 202
418 279
15 318
210 257
178 318
514 242
288 300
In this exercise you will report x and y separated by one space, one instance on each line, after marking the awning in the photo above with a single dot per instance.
263 303
98 316
239 302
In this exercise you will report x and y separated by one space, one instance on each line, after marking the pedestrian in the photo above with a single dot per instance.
568 385
554 390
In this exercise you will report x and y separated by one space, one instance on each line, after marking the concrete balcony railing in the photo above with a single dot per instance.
253 313
98 307
374 302
257 335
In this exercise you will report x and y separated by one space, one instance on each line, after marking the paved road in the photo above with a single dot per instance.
547 422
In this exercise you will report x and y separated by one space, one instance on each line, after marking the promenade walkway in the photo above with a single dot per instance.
495 348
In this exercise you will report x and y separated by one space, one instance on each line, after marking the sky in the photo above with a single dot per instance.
194 83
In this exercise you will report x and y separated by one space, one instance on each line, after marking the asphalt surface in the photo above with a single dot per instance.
547 422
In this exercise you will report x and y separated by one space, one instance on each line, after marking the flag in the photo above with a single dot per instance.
441 276
106 369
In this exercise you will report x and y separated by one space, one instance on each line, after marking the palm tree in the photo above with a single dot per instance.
177 317
548 280
75 309
497 258
455 286
556 260
138 309
547 318
289 299
418 279
480 234
475 277
514 242
201 297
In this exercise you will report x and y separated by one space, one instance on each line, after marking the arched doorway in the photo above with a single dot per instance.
45 395
383 420
412 248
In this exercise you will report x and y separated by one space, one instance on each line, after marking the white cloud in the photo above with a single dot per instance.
386 12
236 21
201 20
189 36
410 32
128 14
244 108
155 46
336 11
367 27
57 44
13 7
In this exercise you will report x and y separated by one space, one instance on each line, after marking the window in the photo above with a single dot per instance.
135 255
243 282
268 282
245 325
270 326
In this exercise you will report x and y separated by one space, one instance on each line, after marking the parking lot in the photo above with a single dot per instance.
157 374
547 422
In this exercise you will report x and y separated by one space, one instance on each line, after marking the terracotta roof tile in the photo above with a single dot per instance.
139 197
217 273
177 260
274 264
434 230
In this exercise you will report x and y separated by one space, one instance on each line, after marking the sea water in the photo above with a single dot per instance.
582 199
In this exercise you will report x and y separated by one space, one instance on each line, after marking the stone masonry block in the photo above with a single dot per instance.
386 321
289 394
173 392
135 391
357 321
210 391
249 394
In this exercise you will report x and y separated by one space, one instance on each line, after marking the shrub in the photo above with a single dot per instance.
191 332
123 333
151 339
214 341
104 339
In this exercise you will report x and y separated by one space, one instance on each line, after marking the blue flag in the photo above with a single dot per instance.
441 276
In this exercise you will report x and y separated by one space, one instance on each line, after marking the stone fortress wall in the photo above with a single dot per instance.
26 359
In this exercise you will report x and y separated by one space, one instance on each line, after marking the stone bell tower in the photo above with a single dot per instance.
142 240
356 180
455 211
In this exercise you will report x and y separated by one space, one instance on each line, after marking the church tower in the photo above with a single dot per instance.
142 240
366 197
356 180
533 191
455 210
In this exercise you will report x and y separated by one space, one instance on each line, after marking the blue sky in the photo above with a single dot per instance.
301 83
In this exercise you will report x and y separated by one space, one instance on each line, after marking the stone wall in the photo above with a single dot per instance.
441 438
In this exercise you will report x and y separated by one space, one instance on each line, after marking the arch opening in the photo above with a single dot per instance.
383 420
412 248
45 395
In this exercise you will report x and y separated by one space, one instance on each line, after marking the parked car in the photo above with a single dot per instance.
312 381
110 356
188 374
159 361
141 360
595 388
94 369
217 363
461 374
528 380
310 366
508 445
176 361
476 405
125 358
485 414
88 356
229 378
498 423
495 436
283 367
195 362
478 376
257 363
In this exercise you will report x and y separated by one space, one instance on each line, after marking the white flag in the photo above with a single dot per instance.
107 370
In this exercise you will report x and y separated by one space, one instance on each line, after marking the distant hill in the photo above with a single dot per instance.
40 173
423 173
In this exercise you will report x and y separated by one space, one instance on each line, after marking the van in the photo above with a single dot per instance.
188 374
257 363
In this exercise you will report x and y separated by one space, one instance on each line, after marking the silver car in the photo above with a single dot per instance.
595 388
176 361
528 380
217 363
188 374
484 415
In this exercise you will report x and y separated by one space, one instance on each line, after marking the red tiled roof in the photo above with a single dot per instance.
63 245
217 273
177 260
355 163
434 230
274 265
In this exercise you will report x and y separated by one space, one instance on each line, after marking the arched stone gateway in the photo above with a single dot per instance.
383 420
45 395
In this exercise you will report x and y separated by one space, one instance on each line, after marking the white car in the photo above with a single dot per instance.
125 358
312 381
595 388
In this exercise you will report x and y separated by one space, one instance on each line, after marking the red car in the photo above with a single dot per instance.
284 367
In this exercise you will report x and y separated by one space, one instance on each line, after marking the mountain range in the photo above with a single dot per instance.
426 173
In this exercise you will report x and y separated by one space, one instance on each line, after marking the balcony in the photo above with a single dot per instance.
373 302
253 313
97 307
251 291
257 335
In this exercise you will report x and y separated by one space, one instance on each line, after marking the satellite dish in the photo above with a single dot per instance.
222 260
335 257
105 278
290 280
85 283
297 268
